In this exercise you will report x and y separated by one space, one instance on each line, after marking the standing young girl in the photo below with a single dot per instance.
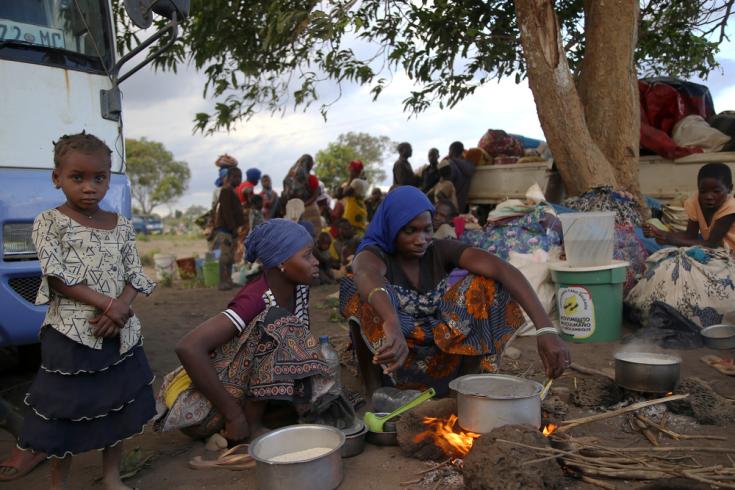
93 389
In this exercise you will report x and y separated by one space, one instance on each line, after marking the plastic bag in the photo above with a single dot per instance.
694 131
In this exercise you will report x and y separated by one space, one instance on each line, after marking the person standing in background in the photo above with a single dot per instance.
430 176
228 220
402 170
462 172
270 197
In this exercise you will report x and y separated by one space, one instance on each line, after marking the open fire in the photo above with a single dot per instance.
453 442
549 429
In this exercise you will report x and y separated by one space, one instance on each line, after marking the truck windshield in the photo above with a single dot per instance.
67 33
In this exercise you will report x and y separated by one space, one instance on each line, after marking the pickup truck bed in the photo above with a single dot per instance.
660 178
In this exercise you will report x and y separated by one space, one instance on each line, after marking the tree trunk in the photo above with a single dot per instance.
581 163
608 85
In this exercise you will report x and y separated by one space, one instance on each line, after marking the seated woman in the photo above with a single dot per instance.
422 331
260 348
697 278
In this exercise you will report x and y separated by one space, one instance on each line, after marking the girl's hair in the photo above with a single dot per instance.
82 142
717 170
446 172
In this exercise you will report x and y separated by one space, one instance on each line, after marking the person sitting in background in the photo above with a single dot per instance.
430 177
247 188
345 233
327 264
229 219
462 172
700 264
326 213
444 189
372 202
270 197
402 171
255 213
443 221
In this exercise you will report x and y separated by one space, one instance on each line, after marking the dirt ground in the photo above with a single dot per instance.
171 312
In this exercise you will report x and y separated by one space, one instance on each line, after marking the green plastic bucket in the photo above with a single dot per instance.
211 273
590 300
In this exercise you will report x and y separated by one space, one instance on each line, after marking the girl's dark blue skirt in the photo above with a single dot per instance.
83 398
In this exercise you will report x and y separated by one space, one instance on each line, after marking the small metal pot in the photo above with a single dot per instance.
647 372
322 472
354 441
487 401
389 436
719 336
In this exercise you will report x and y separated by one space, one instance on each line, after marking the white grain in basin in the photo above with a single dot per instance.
303 455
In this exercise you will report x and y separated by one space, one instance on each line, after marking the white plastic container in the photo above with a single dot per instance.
589 238
165 266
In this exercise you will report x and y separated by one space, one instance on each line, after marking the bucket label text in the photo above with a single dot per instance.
576 312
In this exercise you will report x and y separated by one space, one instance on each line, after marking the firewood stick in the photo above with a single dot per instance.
597 483
643 427
592 372
629 474
676 435
716 483
410 482
435 467
568 424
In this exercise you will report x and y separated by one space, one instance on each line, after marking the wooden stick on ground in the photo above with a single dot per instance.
643 427
435 467
676 435
597 483
568 424
592 372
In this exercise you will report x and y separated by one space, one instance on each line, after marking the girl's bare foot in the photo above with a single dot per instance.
114 484
60 472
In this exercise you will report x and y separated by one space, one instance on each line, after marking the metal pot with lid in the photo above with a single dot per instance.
487 401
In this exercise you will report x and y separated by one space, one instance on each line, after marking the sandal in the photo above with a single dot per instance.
232 459
21 463
724 366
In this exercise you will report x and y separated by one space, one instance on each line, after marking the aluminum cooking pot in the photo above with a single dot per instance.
320 473
487 401
647 372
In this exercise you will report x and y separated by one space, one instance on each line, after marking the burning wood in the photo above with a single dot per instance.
444 434
549 429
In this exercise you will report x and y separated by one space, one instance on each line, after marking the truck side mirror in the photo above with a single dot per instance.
141 13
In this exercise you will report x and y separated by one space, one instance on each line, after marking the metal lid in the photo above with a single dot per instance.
496 386
356 428
648 358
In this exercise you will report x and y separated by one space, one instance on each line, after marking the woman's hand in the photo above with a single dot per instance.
236 428
554 354
119 312
104 327
393 351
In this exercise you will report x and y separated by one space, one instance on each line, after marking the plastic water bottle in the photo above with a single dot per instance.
332 358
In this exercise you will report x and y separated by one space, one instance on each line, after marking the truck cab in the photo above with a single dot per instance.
59 75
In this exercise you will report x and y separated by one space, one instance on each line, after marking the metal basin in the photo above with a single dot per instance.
389 436
487 401
321 472
354 440
647 372
719 336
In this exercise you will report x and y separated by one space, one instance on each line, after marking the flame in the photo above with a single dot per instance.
669 393
454 443
549 429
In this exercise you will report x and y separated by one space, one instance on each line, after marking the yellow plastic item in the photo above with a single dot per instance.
656 223
181 382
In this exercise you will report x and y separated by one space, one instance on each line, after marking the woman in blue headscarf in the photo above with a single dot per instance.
420 329
260 348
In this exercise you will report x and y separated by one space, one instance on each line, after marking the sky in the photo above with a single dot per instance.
160 106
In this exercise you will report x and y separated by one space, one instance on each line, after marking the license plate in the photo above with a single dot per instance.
31 34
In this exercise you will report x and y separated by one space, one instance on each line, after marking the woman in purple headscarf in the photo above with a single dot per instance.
421 329
260 348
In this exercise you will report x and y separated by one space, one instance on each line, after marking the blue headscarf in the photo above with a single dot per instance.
222 175
252 175
275 241
397 210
